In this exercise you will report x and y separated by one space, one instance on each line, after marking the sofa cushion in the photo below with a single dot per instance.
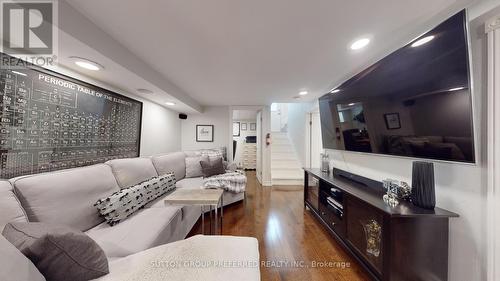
131 171
143 230
15 266
193 166
240 253
190 183
66 196
121 204
212 167
60 253
11 210
172 162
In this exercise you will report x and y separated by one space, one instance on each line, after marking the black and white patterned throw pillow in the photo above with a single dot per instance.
121 204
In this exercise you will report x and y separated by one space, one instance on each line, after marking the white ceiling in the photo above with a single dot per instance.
236 52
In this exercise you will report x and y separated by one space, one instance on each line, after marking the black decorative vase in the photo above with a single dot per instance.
423 193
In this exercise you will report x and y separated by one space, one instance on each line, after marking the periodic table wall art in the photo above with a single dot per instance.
50 122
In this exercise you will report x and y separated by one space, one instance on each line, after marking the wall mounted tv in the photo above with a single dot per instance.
415 102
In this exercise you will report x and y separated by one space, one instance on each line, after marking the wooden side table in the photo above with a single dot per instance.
203 198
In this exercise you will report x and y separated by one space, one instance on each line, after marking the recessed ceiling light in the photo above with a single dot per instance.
144 91
87 64
361 43
334 91
456 89
351 104
422 41
20 73
303 93
170 103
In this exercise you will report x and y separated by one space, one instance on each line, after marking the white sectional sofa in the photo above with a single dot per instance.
67 197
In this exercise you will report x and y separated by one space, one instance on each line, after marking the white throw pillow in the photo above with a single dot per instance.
193 166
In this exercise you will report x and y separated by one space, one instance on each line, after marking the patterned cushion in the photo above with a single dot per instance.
121 204
212 153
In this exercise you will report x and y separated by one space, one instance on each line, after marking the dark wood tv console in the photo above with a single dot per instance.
400 243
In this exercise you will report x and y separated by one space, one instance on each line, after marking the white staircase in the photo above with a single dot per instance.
285 166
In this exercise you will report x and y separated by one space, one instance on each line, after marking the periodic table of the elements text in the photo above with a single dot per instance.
50 122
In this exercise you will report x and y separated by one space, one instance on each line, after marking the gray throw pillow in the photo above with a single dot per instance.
193 166
123 203
212 167
59 252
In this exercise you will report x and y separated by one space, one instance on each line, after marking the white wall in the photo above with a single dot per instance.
460 188
265 153
212 115
240 141
160 131
297 120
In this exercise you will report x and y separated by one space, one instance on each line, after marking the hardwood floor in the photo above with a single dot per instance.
287 232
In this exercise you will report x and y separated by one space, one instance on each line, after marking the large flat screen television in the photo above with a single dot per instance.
415 102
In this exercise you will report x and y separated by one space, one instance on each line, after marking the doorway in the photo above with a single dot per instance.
244 138
314 143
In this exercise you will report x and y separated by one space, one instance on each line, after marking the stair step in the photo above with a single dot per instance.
279 137
283 149
287 175
282 157
285 165
276 182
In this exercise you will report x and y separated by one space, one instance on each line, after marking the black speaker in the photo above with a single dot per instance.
183 116
423 191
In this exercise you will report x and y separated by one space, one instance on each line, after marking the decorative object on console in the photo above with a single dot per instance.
59 252
121 204
423 192
390 197
205 133
373 233
325 162
396 190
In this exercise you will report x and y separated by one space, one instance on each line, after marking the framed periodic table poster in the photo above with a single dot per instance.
50 122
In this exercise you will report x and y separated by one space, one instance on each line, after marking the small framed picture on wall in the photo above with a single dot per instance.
392 121
243 126
253 126
205 133
236 129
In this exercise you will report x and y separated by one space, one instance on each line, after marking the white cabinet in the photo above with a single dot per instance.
249 160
